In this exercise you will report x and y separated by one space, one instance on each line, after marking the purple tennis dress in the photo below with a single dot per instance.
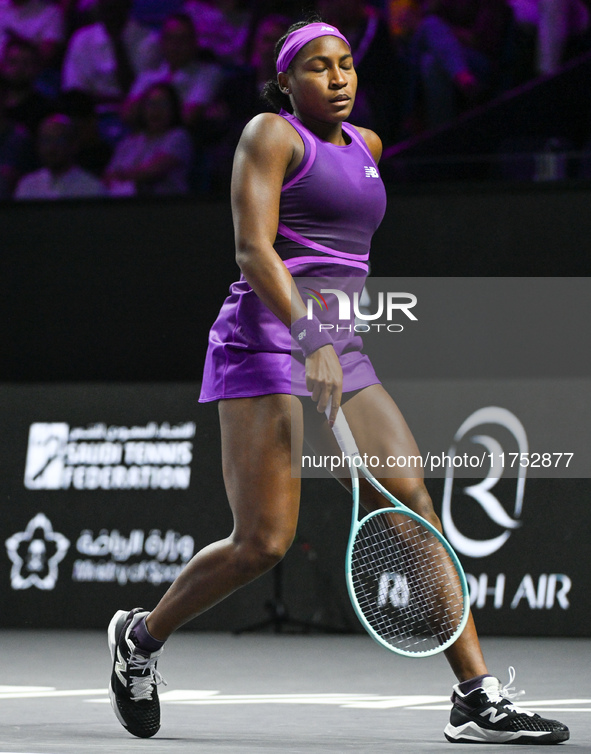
330 207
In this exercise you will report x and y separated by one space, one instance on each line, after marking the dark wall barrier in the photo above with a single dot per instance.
127 290
478 229
108 490
112 290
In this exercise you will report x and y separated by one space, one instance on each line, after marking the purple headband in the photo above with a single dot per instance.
298 38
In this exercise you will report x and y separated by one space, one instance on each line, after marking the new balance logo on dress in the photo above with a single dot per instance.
371 172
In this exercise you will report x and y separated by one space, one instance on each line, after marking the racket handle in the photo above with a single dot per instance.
342 433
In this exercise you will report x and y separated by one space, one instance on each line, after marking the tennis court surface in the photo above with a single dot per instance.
268 693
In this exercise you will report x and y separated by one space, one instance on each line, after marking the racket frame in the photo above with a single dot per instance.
349 448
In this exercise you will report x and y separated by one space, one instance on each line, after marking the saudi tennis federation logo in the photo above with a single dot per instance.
35 554
46 455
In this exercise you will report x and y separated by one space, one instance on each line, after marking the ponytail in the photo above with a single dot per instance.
273 95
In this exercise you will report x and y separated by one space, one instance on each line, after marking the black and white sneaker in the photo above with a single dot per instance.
134 677
487 715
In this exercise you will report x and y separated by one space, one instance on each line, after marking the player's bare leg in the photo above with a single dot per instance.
264 495
380 430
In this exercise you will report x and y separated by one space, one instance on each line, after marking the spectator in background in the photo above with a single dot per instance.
240 98
146 12
196 81
37 21
94 152
553 23
222 27
79 13
15 150
401 16
104 58
153 13
157 159
60 177
365 28
19 68
454 53
261 64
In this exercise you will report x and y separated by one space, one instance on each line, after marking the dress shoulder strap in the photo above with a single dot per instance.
358 138
309 150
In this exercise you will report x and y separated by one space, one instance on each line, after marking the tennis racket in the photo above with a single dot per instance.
405 582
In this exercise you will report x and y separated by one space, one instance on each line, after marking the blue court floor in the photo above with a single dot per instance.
269 693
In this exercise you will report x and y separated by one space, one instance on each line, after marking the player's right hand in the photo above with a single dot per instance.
324 379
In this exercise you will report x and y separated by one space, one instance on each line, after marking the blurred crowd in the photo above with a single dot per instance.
137 97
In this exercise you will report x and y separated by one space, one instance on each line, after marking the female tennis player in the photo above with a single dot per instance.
306 199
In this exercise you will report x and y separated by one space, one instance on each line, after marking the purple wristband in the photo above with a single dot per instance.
308 335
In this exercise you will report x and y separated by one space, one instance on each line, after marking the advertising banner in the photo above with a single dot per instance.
109 490
493 379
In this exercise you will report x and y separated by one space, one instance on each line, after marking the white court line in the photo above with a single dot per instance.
543 705
209 697
45 692
356 701
12 689
526 705
346 701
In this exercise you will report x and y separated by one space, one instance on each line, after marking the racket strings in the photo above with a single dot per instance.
405 583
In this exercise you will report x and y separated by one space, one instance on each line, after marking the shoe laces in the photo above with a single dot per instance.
141 685
507 692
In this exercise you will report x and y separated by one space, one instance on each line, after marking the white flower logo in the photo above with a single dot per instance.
35 554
